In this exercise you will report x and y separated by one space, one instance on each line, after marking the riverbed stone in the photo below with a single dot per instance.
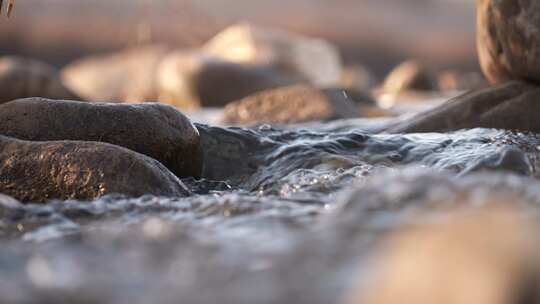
156 130
292 104
508 39
315 59
512 106
193 79
124 76
41 171
22 77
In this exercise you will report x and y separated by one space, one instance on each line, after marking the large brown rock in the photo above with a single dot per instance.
123 76
41 171
156 130
314 59
193 79
508 39
23 77
292 104
513 106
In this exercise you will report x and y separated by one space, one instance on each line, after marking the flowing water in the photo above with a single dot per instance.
282 215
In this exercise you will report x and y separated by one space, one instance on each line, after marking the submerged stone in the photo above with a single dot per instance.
42 171
156 130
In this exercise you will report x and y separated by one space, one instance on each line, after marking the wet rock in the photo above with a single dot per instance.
23 77
409 76
469 256
314 59
124 76
512 106
507 39
232 154
194 79
156 130
41 171
291 105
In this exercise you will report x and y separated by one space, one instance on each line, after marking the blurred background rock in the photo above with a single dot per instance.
378 34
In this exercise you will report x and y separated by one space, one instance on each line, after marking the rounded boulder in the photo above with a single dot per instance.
156 130
42 171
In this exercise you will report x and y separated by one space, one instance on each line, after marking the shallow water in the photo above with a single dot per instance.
281 216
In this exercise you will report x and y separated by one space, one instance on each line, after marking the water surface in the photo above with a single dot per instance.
282 215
